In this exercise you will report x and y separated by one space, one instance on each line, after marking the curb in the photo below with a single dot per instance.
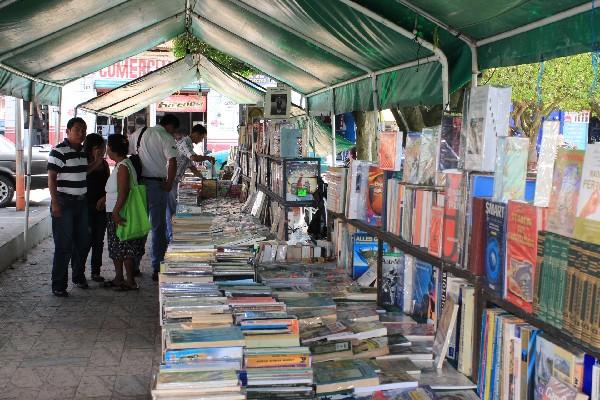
14 249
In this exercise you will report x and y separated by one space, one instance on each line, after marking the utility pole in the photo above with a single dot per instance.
20 172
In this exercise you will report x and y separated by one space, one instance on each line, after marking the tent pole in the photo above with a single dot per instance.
333 146
58 125
28 181
435 50
20 173
537 24
409 64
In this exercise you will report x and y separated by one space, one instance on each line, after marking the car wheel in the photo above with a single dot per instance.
7 190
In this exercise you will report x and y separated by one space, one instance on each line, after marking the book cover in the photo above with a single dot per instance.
375 196
555 361
302 180
488 119
524 223
443 335
390 150
392 280
357 190
495 250
478 237
545 164
575 129
450 142
421 288
411 157
587 220
364 253
290 142
562 207
453 217
436 230
331 376
428 156
555 389
511 168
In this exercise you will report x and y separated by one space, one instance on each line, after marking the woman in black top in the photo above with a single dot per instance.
97 175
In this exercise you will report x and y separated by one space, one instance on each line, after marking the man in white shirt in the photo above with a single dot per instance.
185 157
158 154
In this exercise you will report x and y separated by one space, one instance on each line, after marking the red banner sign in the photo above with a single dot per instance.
183 103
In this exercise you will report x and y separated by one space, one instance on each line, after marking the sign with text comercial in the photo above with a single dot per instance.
183 103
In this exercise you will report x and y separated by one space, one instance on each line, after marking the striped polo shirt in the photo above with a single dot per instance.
71 167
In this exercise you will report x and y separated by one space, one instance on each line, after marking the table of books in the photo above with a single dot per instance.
245 317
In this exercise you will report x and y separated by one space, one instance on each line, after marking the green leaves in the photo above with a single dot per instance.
566 81
185 41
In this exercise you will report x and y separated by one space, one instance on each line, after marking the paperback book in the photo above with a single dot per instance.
587 221
495 250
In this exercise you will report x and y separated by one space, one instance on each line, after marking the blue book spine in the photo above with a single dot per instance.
495 250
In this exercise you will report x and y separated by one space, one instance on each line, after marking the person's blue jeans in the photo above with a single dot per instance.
157 209
71 240
171 211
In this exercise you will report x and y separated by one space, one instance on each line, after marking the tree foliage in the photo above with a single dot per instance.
565 82
185 41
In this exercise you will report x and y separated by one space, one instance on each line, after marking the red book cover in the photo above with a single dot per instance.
375 196
452 228
524 223
417 218
435 231
477 243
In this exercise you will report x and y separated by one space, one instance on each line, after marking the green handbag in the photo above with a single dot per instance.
135 210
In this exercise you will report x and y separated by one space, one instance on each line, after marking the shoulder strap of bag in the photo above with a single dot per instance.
132 175
139 139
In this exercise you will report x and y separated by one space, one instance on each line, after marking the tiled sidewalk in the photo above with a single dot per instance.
97 343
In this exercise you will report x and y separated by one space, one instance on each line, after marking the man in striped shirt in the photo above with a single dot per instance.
67 166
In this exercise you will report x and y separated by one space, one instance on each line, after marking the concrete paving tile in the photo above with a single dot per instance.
13 392
105 357
111 335
132 385
47 361
116 322
57 393
27 377
136 340
95 386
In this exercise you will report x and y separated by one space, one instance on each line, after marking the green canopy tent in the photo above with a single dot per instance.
371 53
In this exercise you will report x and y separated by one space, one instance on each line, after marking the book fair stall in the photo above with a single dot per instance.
459 263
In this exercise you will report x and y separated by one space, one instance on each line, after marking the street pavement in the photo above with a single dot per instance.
12 222
97 343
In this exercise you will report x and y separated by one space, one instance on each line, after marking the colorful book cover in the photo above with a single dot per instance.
428 156
201 354
554 361
302 179
478 238
421 286
575 129
392 280
450 142
453 216
417 224
495 249
443 335
587 221
436 230
488 119
411 157
375 196
545 165
364 253
390 150
511 169
523 225
566 181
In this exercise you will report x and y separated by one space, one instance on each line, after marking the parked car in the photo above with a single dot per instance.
39 173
